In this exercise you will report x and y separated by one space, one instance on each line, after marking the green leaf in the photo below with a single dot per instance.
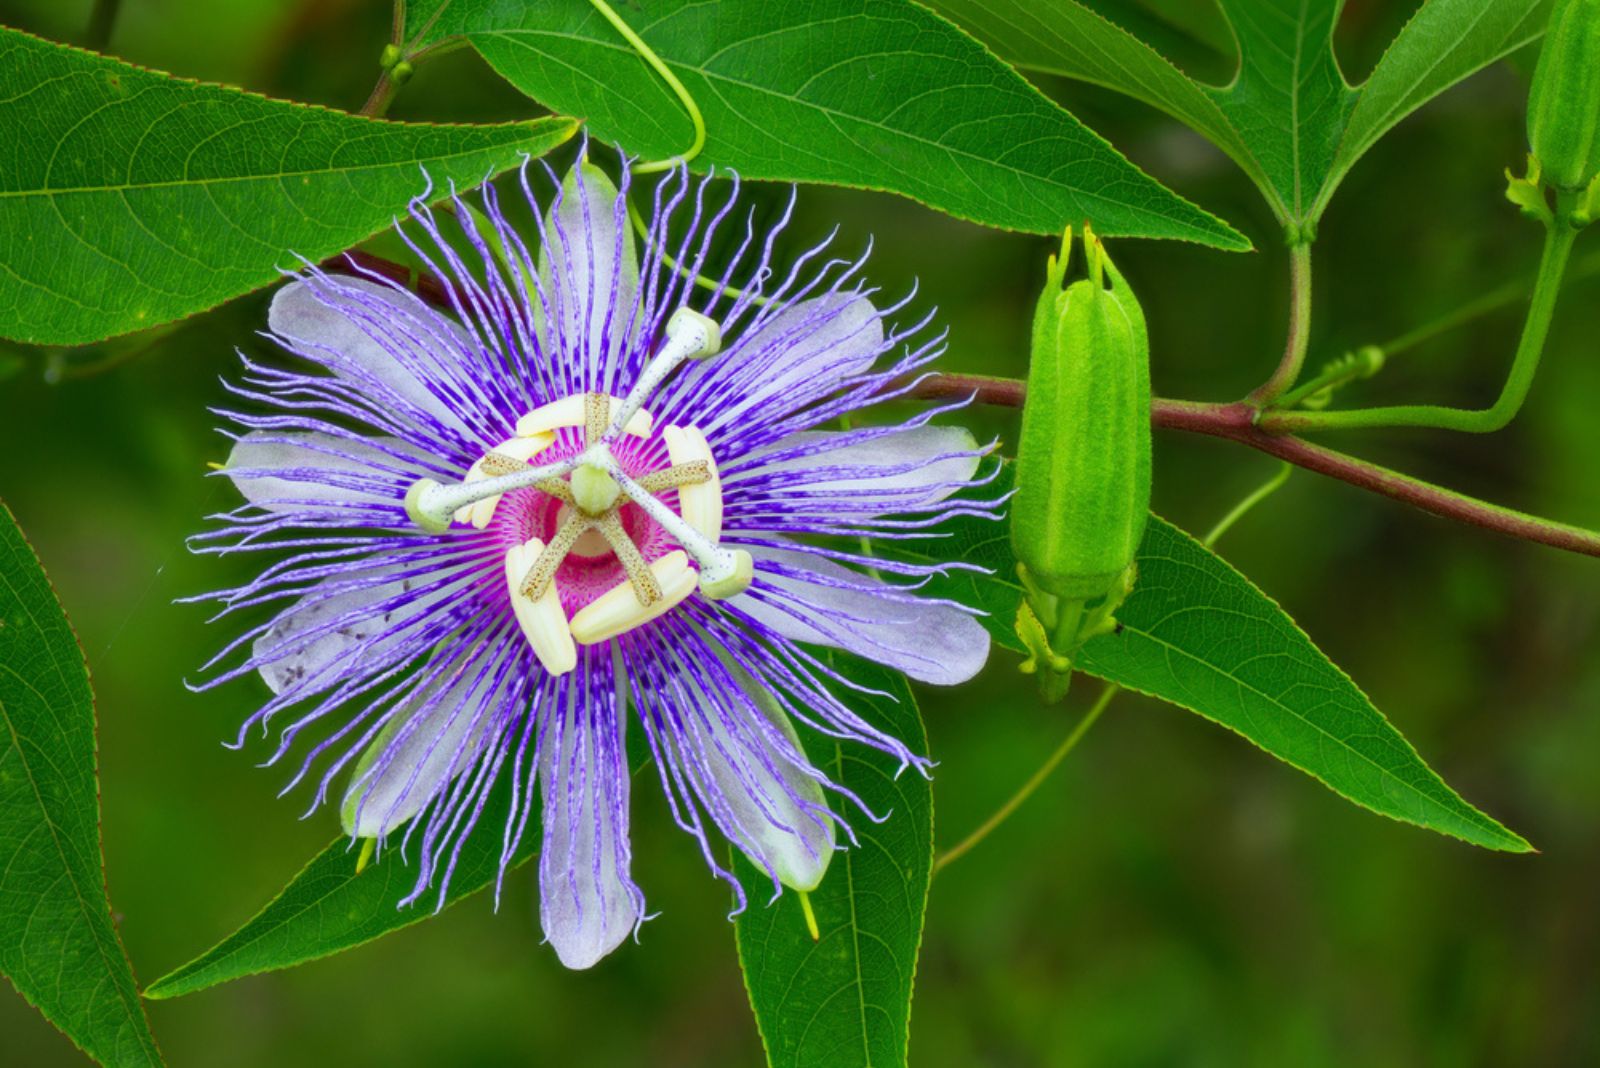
874 94
1289 118
328 907
845 999
57 942
1199 634
1065 38
1289 100
135 198
1443 43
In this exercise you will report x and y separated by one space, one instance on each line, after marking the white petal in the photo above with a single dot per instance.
587 902
774 810
589 250
910 454
805 351
290 451
300 314
932 642
332 648
435 750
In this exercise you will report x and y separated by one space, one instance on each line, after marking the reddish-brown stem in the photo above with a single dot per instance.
1236 422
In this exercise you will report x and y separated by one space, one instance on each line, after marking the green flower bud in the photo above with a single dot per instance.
1564 103
1083 462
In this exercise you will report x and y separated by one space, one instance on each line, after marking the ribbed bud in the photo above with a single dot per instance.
1564 103
1083 462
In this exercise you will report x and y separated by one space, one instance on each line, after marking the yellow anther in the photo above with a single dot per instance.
645 586
504 459
699 504
618 610
543 623
542 569
675 476
594 491
569 411
557 488
596 416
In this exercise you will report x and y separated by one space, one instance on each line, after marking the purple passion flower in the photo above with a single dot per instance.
503 530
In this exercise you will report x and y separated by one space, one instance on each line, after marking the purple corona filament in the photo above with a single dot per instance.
585 493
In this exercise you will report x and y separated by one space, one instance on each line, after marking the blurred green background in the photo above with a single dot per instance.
1171 896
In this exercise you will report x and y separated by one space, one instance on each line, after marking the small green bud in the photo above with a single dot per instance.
389 56
1564 103
1083 461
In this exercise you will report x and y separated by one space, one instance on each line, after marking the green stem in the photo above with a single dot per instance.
1552 267
382 95
1261 493
1034 781
648 54
1294 349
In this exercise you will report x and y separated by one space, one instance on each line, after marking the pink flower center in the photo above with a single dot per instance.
591 568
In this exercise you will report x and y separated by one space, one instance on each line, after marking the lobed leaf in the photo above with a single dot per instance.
58 945
129 198
1443 43
845 998
1201 635
1288 118
1067 39
873 94
330 907
1197 633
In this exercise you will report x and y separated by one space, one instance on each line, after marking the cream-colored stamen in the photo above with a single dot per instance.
570 411
543 623
506 458
700 504
618 611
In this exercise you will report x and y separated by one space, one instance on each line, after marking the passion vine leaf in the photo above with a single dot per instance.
873 94
1197 633
58 945
1065 38
1289 118
330 907
845 997
1201 635
1444 42
136 198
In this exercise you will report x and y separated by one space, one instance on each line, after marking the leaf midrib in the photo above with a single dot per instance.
1470 817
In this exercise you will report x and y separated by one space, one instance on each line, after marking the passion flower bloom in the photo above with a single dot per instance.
504 530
